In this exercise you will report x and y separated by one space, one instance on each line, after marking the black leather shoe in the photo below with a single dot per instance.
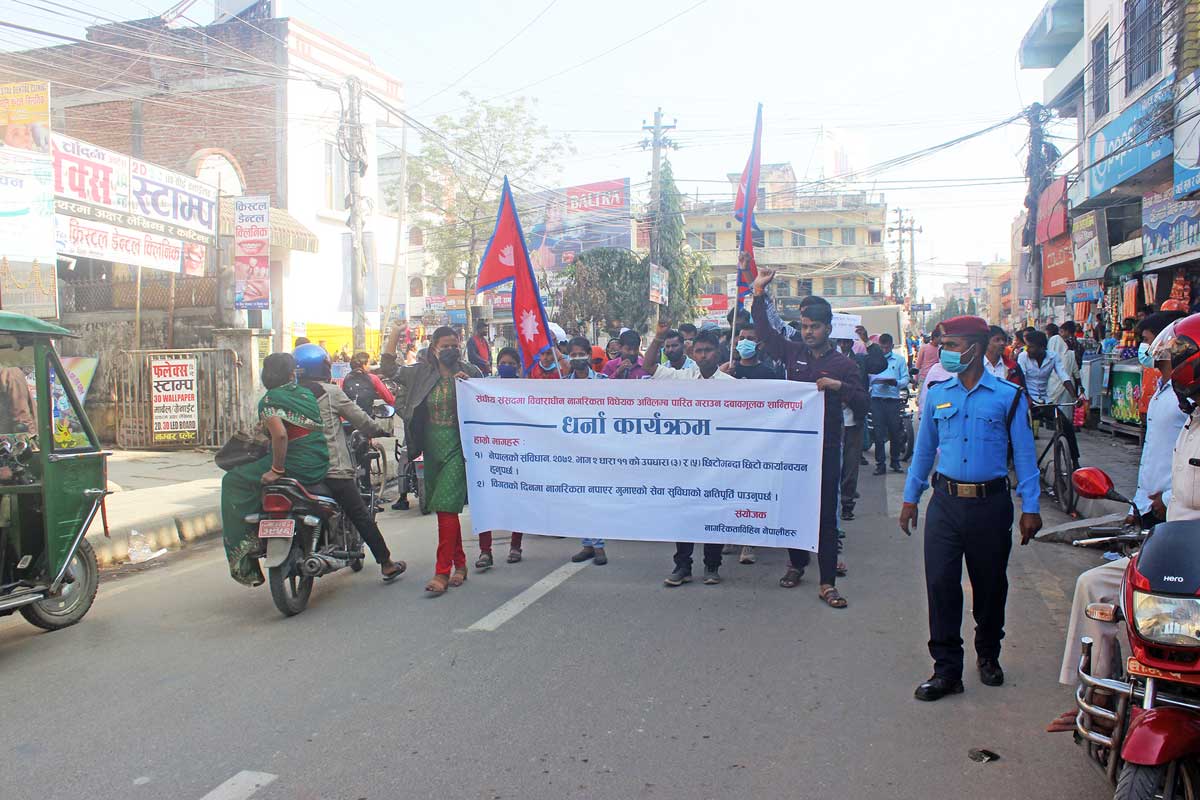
990 673
880 471
584 555
401 504
936 688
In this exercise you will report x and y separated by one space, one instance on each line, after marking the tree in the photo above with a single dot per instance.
459 175
614 283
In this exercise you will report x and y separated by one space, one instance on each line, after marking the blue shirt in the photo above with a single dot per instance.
897 370
969 430
1037 376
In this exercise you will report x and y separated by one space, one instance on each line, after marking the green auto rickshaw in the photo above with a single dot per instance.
53 480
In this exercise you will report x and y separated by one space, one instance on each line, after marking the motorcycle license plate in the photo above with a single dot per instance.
276 528
1135 667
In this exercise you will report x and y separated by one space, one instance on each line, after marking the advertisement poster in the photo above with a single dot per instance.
173 403
172 198
1126 392
1058 265
25 116
86 173
660 281
561 224
1110 148
1089 241
1170 227
252 253
1187 138
79 371
80 237
26 207
736 462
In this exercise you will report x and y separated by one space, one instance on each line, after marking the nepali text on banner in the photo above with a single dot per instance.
735 462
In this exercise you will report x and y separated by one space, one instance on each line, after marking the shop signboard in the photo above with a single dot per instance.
1187 137
252 252
99 240
1084 292
561 224
714 302
25 116
435 302
89 174
1052 211
1089 241
26 206
1170 227
1126 391
1057 265
172 198
659 285
173 404
1127 136
501 300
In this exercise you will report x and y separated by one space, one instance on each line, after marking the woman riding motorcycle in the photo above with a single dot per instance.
290 416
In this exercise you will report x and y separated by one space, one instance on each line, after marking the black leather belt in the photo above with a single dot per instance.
962 489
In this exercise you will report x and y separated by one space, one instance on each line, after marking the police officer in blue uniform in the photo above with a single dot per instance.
971 418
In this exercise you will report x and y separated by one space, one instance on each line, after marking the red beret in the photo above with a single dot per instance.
965 326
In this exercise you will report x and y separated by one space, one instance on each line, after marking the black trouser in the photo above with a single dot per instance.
885 416
346 492
852 439
827 541
1046 413
979 529
683 555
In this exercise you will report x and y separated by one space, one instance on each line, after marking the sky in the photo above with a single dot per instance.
874 78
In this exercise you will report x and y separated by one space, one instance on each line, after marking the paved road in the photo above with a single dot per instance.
182 685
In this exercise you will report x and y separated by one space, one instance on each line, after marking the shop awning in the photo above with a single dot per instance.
286 230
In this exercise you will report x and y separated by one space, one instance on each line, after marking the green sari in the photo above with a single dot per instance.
445 468
307 461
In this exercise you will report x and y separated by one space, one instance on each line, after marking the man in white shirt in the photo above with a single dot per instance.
706 358
993 357
1037 364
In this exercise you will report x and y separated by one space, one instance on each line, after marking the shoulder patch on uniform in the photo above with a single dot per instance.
1006 382
938 383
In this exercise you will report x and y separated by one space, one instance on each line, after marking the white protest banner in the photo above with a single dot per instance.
734 462
844 325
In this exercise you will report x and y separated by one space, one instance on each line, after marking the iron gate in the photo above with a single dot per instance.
218 397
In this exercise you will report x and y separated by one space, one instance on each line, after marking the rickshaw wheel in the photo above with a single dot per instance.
76 597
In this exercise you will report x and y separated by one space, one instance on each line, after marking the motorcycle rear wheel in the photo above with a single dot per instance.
76 597
1178 780
289 589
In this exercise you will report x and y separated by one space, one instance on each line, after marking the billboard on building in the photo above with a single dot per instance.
1057 265
25 116
1170 227
561 224
1120 149
1187 137
252 252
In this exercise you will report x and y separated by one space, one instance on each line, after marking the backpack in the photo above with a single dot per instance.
360 388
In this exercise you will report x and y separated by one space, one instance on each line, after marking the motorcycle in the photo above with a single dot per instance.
304 532
1145 736
908 438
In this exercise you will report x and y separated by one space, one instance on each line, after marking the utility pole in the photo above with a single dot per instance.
657 141
912 260
400 258
898 275
350 141
1037 170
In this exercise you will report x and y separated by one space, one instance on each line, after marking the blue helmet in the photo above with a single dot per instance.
312 362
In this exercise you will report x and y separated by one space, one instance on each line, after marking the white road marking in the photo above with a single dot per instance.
526 598
136 581
241 786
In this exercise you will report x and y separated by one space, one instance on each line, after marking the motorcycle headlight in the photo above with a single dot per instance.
1167 620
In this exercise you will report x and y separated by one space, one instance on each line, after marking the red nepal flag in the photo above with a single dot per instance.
507 259
743 211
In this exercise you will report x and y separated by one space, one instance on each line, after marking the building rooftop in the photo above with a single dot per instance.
1055 31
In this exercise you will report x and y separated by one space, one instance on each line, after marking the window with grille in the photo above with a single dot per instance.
1143 41
783 287
848 235
875 237
774 238
848 286
825 237
1100 74
803 287
708 241
797 238
829 286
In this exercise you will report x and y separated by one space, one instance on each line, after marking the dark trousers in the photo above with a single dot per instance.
979 530
885 416
346 492
827 541
684 550
851 453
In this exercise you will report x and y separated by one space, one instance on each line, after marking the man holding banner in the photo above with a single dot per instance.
705 360
815 360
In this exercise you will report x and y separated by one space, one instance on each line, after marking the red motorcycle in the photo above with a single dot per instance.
1143 728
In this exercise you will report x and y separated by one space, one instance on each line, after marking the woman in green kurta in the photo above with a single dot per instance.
289 414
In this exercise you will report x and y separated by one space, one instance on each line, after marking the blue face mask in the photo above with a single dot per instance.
507 370
952 361
1144 357
747 348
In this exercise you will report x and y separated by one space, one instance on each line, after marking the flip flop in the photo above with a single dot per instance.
389 578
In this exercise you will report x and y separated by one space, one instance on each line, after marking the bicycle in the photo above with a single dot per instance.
1058 485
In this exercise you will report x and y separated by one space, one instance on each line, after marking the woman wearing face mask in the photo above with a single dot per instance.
431 411
508 365
582 359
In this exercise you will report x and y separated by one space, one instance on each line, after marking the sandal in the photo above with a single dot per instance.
484 561
399 568
437 584
1063 723
459 577
514 555
791 578
841 569
831 597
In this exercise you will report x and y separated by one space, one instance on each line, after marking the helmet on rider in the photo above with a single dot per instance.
312 362
1185 359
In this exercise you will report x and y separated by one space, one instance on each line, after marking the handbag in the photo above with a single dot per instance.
242 448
